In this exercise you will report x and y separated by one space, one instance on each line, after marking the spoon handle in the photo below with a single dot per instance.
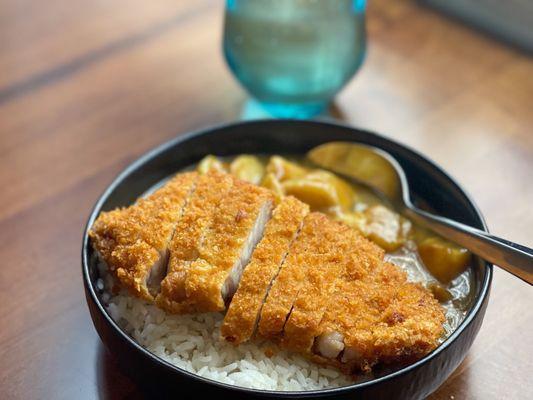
512 257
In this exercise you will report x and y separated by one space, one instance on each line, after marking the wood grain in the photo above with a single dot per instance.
86 87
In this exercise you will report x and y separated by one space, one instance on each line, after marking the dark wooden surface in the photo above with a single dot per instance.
88 86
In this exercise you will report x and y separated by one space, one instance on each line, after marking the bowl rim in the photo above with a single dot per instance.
477 304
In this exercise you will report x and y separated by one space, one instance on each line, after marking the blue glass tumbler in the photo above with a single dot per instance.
293 56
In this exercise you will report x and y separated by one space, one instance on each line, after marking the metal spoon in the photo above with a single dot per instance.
382 173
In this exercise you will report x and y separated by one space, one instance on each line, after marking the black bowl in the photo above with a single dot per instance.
429 183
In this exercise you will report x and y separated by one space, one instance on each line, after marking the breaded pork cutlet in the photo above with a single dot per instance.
190 230
238 225
244 310
291 277
315 286
378 317
133 241
326 261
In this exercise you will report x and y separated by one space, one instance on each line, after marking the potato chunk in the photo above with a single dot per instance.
248 168
283 169
344 192
354 219
321 190
210 162
318 195
443 259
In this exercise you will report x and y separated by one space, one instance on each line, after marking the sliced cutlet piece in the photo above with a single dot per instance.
134 241
211 188
325 258
410 326
290 279
237 227
245 307
406 320
358 263
379 318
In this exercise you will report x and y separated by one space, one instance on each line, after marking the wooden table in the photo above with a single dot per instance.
88 86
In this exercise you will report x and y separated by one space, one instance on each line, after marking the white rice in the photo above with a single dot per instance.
193 343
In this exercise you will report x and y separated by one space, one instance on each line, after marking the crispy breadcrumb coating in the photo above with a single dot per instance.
133 240
383 318
222 247
326 259
291 277
211 188
244 309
